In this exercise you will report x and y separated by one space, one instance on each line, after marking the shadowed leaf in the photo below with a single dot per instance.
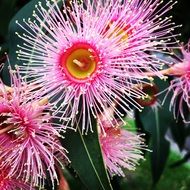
86 158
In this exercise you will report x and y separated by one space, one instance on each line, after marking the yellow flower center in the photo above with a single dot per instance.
80 61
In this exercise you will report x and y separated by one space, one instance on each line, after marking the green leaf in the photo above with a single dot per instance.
178 131
6 12
73 180
14 40
156 122
160 148
86 158
140 128
24 13
159 145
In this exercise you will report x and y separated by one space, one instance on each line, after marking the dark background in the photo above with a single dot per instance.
8 8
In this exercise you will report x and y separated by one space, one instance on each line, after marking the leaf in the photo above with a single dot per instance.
86 158
72 179
24 13
140 128
160 148
159 145
14 40
6 12
178 131
156 122
178 163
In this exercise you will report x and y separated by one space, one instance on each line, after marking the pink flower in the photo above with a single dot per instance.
121 149
12 183
87 55
180 85
28 141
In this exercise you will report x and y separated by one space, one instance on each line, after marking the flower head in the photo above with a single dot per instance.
89 55
180 85
120 149
12 183
28 141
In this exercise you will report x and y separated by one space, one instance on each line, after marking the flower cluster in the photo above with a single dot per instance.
180 84
12 183
29 143
88 56
120 149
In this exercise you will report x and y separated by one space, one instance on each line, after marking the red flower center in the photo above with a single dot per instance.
113 131
150 99
13 125
80 61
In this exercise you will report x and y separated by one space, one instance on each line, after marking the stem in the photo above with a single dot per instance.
169 71
4 130
162 72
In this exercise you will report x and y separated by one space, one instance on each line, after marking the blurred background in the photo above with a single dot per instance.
174 169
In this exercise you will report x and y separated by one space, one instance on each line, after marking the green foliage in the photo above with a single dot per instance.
172 178
178 131
6 12
86 158
159 145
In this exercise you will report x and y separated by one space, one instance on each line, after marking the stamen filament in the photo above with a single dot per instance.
79 63
43 102
4 130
